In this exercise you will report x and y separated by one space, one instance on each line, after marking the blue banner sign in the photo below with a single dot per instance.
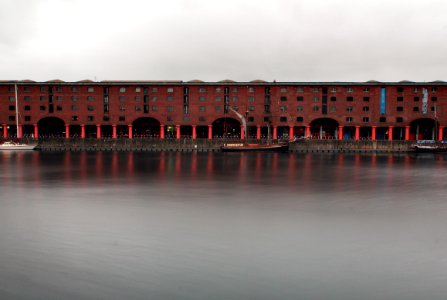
383 101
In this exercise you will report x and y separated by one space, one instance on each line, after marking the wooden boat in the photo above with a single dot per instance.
10 145
244 147
429 147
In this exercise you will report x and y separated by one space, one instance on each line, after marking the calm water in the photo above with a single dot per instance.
222 226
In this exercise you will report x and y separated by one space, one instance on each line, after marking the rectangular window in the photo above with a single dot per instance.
122 98
251 89
137 90
218 99
349 89
251 99
315 90
170 98
12 107
170 90
74 98
416 108
202 99
42 98
27 98
235 90
434 99
315 108
90 118
90 108
58 89
300 90
333 108
154 108
137 108
202 119
300 98
283 119
43 89
416 99
122 118
27 118
283 90
74 118
283 98
400 108
106 118
122 108
333 90
365 120
27 107
400 89
251 108
42 108
122 89
365 99
59 98
434 89
365 108
299 119
399 119
217 108
350 99
154 99
202 90
235 99
59 108
316 99
333 99
201 108
300 108
170 108
154 90
74 108
12 118
90 89
26 89
349 108
13 99
251 119
349 119
138 98
366 89
382 119
400 99
283 108
415 90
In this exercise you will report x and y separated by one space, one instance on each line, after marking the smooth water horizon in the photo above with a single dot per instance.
172 225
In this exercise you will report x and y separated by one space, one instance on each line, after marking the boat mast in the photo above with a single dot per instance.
241 117
17 111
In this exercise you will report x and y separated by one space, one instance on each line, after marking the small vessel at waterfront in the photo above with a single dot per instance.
429 147
16 145
245 147
10 145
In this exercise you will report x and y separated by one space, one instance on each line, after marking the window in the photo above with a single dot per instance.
333 108
366 89
170 90
154 99
217 108
122 89
349 108
13 99
185 119
90 89
349 89
27 118
202 90
283 90
59 98
74 108
251 108
11 118
74 98
235 99
170 108
316 99
42 98
382 119
433 108
333 90
59 108
170 98
122 98
365 99
122 118
27 98
400 108
365 108
267 119
283 98
137 90
218 90
202 119
106 118
365 120
12 107
202 99
400 99
283 108
416 108
138 98
251 119
415 90
90 98
333 99
348 119
58 89
90 108
218 99
74 118
27 107
251 99
42 89
235 90
299 108
315 90
299 119
434 89
300 98
434 99
283 119
300 90
137 108
416 99
315 108
42 108
90 118
201 108
251 89
350 99
26 89
399 119
154 108
400 89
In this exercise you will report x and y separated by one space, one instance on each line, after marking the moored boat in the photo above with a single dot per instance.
10 145
430 148
244 147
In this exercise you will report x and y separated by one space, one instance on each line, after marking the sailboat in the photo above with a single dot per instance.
431 146
247 147
12 145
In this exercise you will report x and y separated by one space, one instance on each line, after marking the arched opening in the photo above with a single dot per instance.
146 127
227 128
424 129
51 127
324 128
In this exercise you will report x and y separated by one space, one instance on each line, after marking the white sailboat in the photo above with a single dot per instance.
12 145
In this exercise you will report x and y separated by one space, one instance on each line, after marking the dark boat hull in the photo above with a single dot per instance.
429 149
255 148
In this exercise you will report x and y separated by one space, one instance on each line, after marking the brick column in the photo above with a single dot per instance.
114 131
210 132
194 132
373 133
83 131
36 131
5 130
67 131
340 132
357 133
242 132
291 133
130 131
20 131
177 132
407 133
440 133
308 132
162 131
258 132
98 131
275 132
390 133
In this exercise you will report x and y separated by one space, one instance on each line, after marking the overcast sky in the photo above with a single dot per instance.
211 40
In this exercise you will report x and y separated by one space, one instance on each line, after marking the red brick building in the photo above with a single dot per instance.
176 109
